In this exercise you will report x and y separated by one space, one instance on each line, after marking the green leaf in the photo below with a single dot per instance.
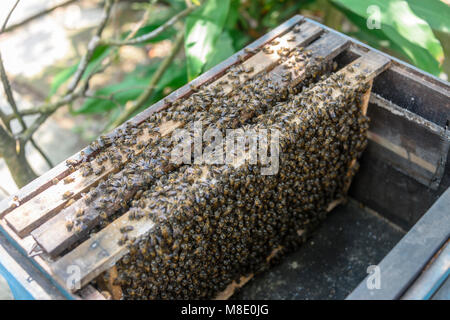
374 37
61 78
134 85
178 4
99 54
203 28
233 14
240 39
122 92
406 30
167 34
222 50
102 51
435 12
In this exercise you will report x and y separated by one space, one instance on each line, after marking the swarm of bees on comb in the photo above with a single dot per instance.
215 223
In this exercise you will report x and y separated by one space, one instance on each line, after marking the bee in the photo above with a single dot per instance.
126 229
123 240
68 180
194 88
69 225
69 203
249 51
71 162
241 58
292 38
267 50
67 195
99 170
79 212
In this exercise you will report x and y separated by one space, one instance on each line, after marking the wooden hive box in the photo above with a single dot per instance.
34 219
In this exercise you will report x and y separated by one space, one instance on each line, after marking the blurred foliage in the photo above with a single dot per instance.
405 25
218 28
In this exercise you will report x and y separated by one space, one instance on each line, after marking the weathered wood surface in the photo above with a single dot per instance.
416 146
415 94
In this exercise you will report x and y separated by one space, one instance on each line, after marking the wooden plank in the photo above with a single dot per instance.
417 247
265 61
44 206
384 195
100 252
415 93
409 89
407 86
26 247
54 237
26 244
35 187
418 147
328 46
61 171
23 276
90 293
48 203
36 211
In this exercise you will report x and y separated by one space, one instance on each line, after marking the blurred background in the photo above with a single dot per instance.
67 88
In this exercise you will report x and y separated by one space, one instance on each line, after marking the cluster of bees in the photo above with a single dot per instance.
212 106
214 223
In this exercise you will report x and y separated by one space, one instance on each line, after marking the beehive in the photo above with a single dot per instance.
139 208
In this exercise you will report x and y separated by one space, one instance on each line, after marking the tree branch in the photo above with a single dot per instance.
152 85
10 97
152 34
20 169
45 111
37 15
38 149
9 16
6 119
25 112
5 136
93 44
71 93
107 98
9 94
